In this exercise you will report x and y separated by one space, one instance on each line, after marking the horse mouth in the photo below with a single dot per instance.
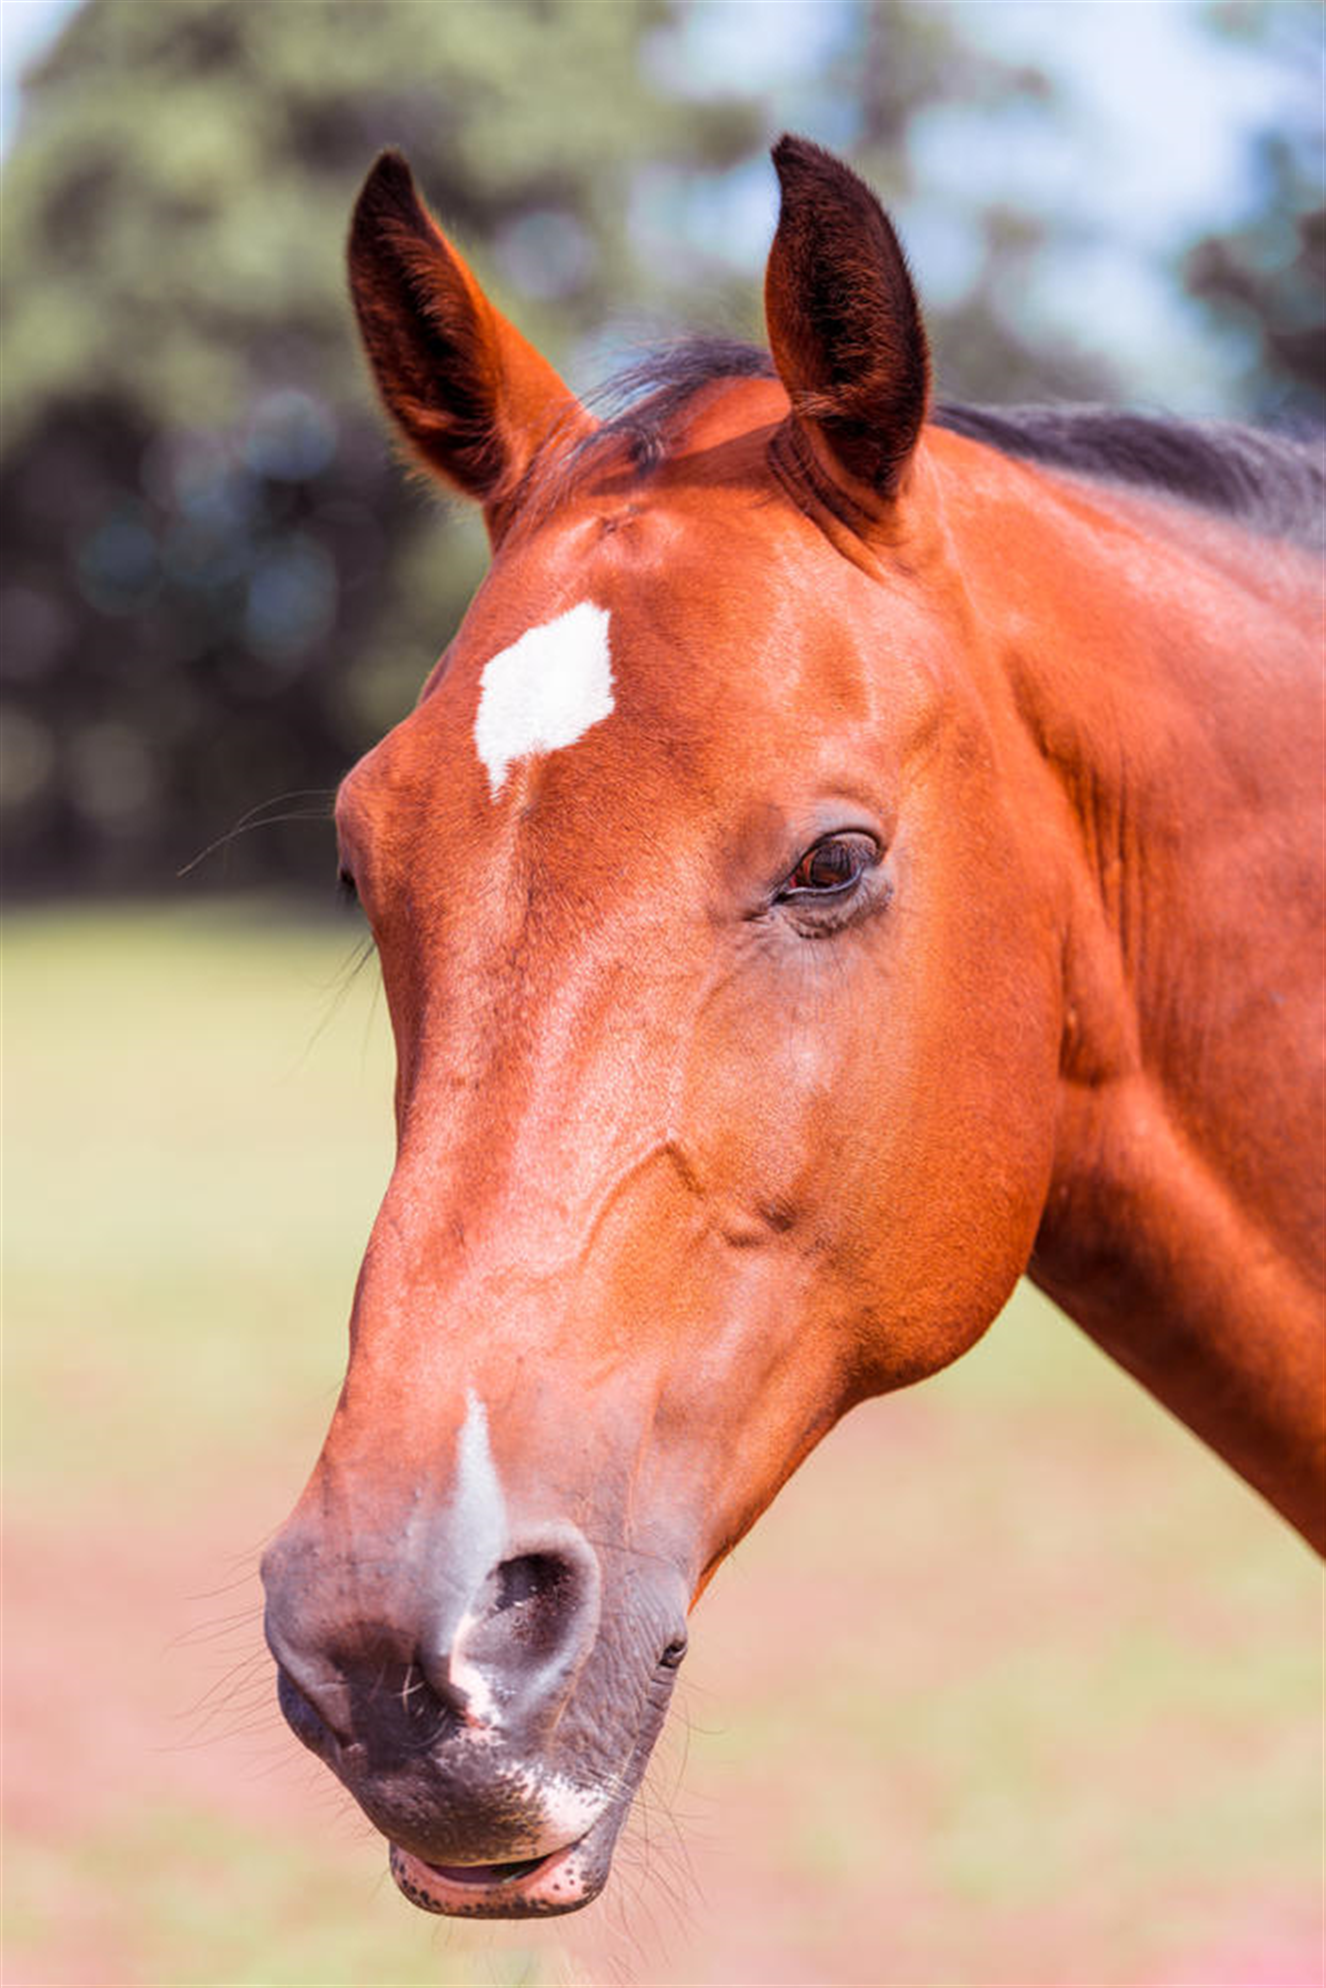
561 1881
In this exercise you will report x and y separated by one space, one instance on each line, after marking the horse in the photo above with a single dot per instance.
854 851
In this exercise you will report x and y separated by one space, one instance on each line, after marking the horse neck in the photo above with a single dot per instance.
1158 672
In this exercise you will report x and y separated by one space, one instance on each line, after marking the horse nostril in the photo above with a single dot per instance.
529 1629
536 1591
528 1575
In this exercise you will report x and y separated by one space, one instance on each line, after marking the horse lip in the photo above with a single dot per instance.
561 1881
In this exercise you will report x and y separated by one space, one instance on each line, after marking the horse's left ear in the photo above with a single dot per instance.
472 398
844 325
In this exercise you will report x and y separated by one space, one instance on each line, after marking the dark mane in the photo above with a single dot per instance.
1273 484
640 404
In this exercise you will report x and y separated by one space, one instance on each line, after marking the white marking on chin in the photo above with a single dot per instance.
568 1812
545 691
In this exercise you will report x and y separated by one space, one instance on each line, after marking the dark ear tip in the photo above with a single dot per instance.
816 184
792 148
388 193
800 160
790 157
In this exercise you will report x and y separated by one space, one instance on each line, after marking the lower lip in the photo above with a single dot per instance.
556 1883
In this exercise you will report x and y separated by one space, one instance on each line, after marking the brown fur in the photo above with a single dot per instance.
692 1157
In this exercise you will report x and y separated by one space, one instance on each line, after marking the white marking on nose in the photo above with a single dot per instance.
478 1515
478 1536
481 1714
545 691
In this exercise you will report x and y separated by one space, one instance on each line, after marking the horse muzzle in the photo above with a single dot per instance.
493 1725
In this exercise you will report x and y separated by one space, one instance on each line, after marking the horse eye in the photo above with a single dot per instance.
835 865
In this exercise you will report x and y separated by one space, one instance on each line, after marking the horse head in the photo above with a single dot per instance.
718 1106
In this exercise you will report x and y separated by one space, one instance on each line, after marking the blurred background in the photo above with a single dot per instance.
1065 1725
218 589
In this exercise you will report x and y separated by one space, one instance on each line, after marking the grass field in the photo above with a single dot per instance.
1015 1685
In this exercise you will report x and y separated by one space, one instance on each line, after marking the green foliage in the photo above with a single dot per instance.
1266 278
220 587
183 203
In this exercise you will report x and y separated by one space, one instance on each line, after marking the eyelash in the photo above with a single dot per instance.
861 852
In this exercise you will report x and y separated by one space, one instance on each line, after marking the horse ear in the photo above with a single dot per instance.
844 325
472 399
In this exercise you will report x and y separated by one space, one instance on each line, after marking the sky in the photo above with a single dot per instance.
1164 104
1152 151
26 28
1153 155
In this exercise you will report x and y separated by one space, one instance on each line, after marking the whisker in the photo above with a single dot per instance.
255 817
245 1565
339 994
247 1673
213 1631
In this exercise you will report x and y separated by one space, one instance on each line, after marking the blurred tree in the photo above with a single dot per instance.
870 77
1266 278
219 587
902 64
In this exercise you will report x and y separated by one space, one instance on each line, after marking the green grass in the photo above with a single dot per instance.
1014 1684
198 1127
186 1898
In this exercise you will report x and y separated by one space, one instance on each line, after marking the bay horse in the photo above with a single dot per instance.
851 854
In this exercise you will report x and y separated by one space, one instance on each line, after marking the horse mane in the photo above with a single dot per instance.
640 405
1274 484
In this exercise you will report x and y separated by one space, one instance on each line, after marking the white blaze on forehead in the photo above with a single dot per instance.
545 691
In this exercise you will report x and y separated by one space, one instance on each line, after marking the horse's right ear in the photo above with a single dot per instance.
472 399
845 328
